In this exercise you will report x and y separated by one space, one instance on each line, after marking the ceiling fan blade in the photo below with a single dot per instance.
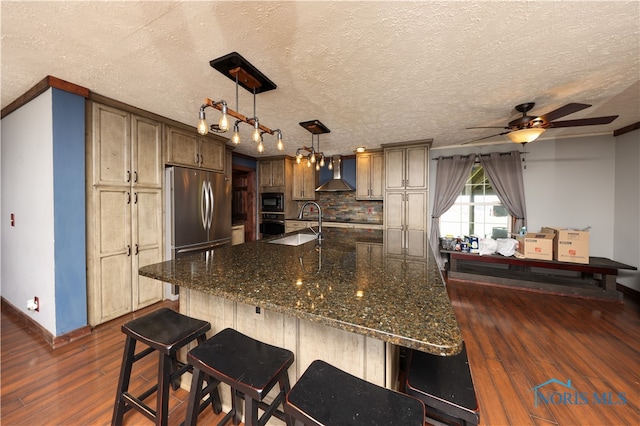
583 122
562 111
486 137
487 127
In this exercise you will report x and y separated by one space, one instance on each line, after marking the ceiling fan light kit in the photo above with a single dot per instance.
238 69
525 135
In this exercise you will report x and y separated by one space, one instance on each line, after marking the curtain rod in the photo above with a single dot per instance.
474 155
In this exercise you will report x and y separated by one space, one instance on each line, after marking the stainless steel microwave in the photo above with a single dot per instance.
272 201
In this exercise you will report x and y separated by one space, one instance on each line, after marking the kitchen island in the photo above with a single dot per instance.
349 300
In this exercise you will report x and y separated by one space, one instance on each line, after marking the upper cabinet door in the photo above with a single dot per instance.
264 173
182 147
416 170
363 177
111 146
146 152
377 176
212 154
394 168
277 173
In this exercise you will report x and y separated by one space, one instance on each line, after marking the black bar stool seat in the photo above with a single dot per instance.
326 395
250 367
445 386
164 331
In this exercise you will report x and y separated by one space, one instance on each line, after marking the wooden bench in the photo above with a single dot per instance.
596 279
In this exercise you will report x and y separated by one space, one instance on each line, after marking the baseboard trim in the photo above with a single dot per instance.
53 341
629 293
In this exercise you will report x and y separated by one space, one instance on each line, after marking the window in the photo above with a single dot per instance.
477 210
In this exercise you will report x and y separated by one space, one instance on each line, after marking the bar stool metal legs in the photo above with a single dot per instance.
164 331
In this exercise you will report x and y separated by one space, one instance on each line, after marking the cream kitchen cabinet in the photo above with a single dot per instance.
304 182
370 176
406 198
188 148
124 211
272 176
407 167
405 221
127 148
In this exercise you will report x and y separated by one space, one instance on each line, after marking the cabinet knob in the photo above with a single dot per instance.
128 198
128 176
128 250
135 176
137 250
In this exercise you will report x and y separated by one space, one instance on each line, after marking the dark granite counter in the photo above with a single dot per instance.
347 282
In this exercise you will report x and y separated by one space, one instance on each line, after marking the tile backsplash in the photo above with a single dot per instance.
343 206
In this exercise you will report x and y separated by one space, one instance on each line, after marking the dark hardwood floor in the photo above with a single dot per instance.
516 340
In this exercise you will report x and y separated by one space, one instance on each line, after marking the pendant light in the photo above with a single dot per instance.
250 78
314 156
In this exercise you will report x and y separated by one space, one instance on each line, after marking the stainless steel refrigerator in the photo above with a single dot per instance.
198 211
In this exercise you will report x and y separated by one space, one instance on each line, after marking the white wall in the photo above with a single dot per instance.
27 158
568 183
626 236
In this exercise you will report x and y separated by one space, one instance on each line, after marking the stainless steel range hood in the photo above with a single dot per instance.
335 184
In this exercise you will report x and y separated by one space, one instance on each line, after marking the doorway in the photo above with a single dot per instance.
243 206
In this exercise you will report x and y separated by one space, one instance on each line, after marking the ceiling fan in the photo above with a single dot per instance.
527 128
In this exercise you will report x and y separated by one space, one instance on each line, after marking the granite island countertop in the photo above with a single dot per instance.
348 282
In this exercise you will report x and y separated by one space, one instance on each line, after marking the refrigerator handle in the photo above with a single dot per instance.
204 206
212 204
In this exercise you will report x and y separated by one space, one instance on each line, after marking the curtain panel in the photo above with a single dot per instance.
505 173
451 175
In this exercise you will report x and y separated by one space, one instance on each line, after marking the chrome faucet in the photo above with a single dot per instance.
319 233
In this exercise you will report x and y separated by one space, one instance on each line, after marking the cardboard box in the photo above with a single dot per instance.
569 245
536 245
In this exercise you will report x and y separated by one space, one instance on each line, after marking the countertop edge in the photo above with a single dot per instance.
350 327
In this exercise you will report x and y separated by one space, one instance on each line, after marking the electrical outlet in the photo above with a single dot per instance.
33 304
259 314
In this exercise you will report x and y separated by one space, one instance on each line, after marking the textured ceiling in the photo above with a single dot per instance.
373 72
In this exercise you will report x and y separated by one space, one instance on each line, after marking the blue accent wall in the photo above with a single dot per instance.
69 210
242 161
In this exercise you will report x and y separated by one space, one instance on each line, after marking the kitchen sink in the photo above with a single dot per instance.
294 240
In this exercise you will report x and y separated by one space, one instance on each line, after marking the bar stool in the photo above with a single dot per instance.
326 395
444 385
250 367
164 331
